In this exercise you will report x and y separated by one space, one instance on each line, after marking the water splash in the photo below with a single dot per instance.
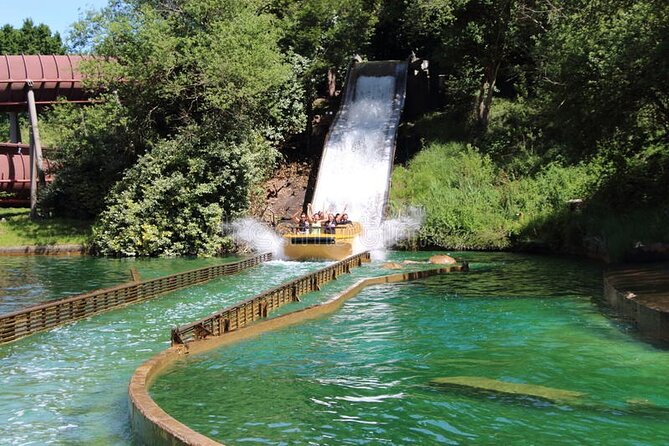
378 238
357 161
254 235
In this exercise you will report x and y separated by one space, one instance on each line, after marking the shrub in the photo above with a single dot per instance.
173 201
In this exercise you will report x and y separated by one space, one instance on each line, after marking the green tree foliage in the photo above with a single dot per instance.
605 70
92 146
173 200
30 39
206 97
472 43
326 33
189 58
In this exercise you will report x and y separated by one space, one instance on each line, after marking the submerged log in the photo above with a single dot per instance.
506 388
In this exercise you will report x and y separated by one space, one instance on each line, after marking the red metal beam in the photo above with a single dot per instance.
52 76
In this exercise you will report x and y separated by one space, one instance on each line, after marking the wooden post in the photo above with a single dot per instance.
36 164
135 275
14 130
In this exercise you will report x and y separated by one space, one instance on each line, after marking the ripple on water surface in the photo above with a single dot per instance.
317 383
361 376
69 385
31 280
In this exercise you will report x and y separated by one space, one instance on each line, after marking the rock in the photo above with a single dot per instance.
442 259
392 265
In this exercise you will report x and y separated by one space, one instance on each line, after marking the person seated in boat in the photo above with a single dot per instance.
337 217
302 222
330 224
344 220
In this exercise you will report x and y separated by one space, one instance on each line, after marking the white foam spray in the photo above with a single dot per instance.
255 235
378 238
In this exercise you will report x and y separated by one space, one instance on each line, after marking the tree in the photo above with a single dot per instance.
30 39
605 73
470 42
207 95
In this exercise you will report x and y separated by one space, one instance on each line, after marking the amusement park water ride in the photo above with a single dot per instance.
317 245
357 160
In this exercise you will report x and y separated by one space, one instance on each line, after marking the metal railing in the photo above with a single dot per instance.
258 307
52 314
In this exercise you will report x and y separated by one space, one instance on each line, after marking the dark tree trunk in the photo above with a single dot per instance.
494 61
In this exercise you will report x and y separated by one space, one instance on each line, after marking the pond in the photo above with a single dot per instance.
365 375
360 376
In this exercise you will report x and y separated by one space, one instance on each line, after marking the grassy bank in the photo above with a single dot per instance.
488 193
470 203
16 229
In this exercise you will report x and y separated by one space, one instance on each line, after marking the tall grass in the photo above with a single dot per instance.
470 203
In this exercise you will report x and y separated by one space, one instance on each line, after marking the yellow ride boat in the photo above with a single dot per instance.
315 245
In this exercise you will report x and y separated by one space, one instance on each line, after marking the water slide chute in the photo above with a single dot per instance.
357 161
359 150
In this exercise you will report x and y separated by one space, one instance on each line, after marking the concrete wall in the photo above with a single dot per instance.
651 322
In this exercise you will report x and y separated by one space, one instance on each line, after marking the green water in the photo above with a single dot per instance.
68 386
356 377
26 281
361 376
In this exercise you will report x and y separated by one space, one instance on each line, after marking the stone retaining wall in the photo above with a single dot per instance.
651 319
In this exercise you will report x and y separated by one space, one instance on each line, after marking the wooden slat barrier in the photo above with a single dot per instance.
48 315
259 306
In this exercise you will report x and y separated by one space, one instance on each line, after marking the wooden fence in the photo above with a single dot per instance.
259 306
48 315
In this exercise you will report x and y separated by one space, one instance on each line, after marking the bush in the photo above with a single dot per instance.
456 187
173 201
472 204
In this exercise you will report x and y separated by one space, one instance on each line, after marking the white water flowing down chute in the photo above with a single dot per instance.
355 170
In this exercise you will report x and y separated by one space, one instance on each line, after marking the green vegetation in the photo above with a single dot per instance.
471 203
207 96
580 111
17 229
535 103
30 39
